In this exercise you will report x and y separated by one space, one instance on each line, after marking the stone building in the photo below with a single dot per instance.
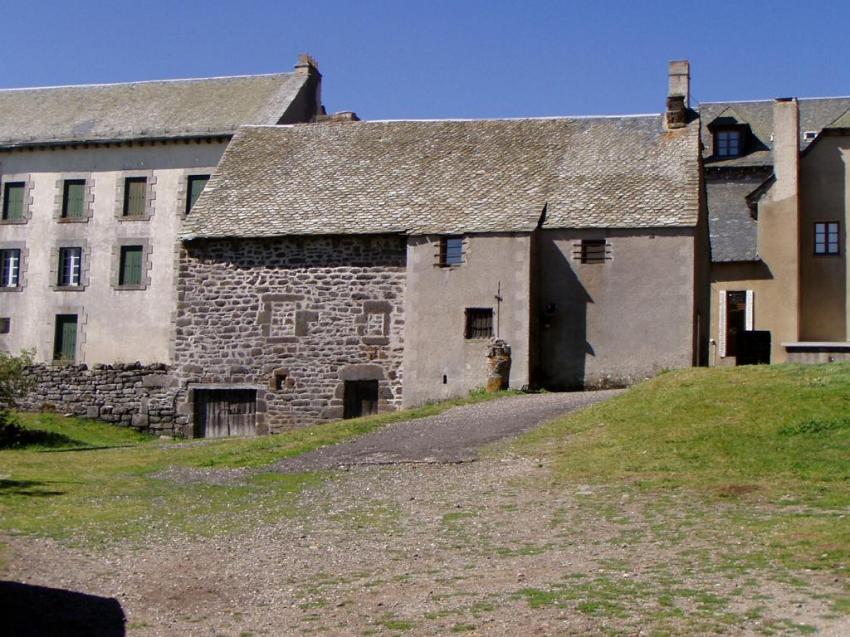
95 182
775 173
332 270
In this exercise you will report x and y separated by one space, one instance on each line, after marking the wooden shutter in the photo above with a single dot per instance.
74 203
748 312
13 202
65 345
134 196
131 265
721 324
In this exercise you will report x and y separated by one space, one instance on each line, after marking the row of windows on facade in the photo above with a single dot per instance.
70 267
586 251
74 205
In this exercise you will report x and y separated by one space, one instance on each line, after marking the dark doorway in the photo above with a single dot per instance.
753 348
65 339
361 398
225 412
736 320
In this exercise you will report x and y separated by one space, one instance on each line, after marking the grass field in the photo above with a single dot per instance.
83 481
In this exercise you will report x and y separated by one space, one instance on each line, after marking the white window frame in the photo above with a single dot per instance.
70 267
11 268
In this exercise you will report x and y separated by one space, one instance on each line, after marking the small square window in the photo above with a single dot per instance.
10 268
130 267
594 251
135 195
451 251
70 267
479 322
74 199
826 238
194 187
727 143
5 325
13 201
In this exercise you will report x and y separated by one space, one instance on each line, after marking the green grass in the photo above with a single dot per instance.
87 482
773 442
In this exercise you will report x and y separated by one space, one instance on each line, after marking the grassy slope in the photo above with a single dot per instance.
85 481
776 437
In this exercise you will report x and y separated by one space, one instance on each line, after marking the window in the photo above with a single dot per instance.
451 251
826 238
10 268
5 325
65 340
13 201
130 266
727 143
194 188
479 322
593 250
70 267
135 194
74 199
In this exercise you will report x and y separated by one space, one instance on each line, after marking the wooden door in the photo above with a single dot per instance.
225 412
65 340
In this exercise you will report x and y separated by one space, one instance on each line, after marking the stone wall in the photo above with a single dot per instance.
136 395
294 318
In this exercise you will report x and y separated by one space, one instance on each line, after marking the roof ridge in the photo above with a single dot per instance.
165 81
773 99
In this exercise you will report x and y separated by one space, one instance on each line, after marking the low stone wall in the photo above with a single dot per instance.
133 395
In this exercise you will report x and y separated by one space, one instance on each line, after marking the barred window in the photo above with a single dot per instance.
479 322
593 251
451 251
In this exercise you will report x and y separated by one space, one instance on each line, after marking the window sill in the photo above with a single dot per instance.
14 222
134 217
72 220
448 266
11 288
68 288
130 288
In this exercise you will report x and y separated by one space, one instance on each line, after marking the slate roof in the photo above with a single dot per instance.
431 177
815 114
143 110
732 228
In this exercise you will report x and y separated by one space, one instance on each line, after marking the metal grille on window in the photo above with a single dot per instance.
70 266
10 268
479 322
73 199
593 251
451 251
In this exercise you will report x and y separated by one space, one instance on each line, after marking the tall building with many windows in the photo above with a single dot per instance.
95 182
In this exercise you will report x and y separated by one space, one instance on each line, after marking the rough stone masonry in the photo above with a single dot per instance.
292 318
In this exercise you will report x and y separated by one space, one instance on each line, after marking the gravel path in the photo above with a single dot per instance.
450 437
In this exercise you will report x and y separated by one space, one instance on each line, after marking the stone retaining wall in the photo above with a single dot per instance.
135 395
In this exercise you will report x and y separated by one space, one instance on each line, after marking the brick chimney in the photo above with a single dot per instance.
678 93
307 65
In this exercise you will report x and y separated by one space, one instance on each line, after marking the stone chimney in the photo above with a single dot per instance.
678 93
786 147
307 65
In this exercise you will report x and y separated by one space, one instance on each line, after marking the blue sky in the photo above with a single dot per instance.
438 59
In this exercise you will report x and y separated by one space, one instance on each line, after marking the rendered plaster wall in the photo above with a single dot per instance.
294 319
614 323
439 362
115 325
823 278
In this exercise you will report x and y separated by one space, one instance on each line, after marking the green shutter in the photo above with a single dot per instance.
131 265
73 205
13 201
196 187
65 345
134 196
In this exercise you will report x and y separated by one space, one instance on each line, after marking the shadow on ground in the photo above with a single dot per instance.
36 611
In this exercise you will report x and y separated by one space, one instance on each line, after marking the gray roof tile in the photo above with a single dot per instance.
732 229
423 177
171 108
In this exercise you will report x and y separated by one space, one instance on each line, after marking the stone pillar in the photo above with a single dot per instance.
498 366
